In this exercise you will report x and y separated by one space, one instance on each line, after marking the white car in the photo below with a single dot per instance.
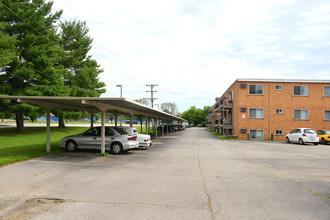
143 139
302 135
116 140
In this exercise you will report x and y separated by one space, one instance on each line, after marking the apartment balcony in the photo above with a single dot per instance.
226 124
226 104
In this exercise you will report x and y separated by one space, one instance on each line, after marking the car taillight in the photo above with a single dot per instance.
304 135
131 138
146 140
317 135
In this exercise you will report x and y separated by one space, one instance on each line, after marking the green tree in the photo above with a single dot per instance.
7 45
82 72
195 115
6 53
31 27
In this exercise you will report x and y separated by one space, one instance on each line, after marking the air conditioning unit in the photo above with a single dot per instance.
243 86
243 109
243 130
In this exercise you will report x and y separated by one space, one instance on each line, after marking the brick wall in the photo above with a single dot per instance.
273 99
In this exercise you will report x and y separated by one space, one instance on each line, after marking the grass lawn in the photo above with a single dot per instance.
222 137
16 146
138 128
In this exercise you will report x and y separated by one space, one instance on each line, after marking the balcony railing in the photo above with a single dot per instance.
225 104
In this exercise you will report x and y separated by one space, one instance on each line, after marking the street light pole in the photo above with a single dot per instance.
121 90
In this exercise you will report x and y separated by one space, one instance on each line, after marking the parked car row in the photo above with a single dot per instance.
308 135
179 127
117 140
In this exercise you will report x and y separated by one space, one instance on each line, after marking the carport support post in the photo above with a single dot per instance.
156 128
131 119
92 120
102 133
48 130
163 129
116 116
147 124
103 108
167 129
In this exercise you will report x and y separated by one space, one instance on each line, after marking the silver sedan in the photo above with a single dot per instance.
116 140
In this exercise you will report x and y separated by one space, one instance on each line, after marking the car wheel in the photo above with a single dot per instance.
301 141
116 148
323 141
316 143
70 146
287 140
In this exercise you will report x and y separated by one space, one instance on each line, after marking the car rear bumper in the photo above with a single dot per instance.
130 145
309 140
145 144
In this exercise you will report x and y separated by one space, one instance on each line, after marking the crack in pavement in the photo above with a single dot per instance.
209 202
257 161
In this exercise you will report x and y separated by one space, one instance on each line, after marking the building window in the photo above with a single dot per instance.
300 90
327 115
256 113
256 134
299 114
278 87
256 89
278 111
326 91
278 132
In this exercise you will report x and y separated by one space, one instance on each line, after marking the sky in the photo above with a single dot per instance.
194 50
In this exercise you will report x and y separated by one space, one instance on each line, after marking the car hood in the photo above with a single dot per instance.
71 136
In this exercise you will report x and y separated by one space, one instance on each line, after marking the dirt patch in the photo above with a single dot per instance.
31 208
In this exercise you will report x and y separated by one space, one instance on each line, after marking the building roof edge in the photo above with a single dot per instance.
283 80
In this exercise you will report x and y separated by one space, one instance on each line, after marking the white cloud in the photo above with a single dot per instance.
194 50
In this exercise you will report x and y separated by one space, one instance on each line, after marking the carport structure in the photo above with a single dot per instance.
115 106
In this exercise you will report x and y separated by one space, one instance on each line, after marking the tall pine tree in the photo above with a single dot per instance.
34 69
82 72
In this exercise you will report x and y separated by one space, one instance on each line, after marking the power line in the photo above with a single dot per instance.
133 75
38 71
33 29
152 93
47 38
38 55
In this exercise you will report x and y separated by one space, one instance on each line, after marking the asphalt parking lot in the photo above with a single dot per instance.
187 175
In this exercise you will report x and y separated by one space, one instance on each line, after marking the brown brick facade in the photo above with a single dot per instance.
276 94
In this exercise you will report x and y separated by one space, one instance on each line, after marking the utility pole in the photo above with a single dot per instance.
152 93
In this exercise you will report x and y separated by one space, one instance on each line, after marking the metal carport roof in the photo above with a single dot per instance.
93 105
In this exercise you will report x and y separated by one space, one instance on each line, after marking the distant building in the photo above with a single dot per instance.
270 108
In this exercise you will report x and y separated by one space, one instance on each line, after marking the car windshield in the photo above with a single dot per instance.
91 132
309 131
120 131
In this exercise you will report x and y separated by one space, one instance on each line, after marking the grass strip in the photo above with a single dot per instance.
17 146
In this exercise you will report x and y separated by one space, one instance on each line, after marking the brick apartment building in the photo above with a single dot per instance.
270 108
